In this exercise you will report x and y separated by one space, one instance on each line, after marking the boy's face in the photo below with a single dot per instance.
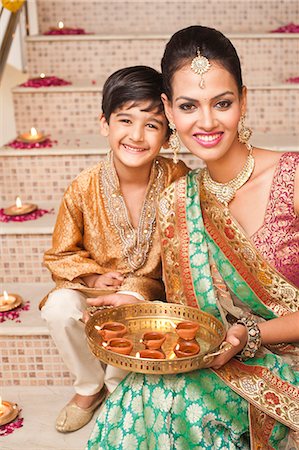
135 135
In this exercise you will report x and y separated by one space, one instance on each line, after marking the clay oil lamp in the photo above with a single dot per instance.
183 349
110 330
20 208
119 345
32 137
153 340
187 330
150 354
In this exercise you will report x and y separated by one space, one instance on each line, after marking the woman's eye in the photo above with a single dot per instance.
186 106
224 104
151 125
125 120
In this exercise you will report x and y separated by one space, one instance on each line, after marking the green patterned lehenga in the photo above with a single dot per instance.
209 263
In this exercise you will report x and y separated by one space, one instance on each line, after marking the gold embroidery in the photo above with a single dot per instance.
263 389
135 242
279 294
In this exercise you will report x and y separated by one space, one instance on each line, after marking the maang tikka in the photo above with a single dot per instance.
200 65
174 142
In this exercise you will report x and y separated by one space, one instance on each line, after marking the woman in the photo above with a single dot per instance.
230 246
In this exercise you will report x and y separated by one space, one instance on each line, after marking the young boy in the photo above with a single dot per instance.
105 238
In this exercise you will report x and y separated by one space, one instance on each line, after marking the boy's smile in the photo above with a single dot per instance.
135 135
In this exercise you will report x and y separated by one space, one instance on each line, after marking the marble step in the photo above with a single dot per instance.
43 174
75 108
23 245
28 354
40 406
97 56
153 16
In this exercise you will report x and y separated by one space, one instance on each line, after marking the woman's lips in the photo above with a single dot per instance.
208 140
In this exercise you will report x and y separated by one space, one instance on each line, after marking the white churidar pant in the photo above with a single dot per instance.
62 312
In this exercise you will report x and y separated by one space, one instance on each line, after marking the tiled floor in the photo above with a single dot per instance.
40 406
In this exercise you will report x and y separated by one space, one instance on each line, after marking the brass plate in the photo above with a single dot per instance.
18 301
26 209
156 316
11 412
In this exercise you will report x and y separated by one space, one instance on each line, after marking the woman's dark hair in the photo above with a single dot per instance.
132 85
212 44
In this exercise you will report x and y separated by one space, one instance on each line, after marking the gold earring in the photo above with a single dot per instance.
244 133
174 142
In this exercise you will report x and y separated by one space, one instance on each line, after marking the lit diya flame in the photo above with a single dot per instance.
20 208
60 25
42 75
6 299
18 204
137 355
33 132
32 137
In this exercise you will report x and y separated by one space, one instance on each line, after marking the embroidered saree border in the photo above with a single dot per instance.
261 427
266 282
264 390
172 225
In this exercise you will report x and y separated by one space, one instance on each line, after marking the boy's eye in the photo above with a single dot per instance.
187 106
151 125
223 104
125 120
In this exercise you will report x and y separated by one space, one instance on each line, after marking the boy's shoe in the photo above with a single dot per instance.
72 417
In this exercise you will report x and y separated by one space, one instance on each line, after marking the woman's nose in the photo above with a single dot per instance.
207 121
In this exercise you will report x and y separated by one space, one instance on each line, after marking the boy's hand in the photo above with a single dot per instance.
105 281
113 300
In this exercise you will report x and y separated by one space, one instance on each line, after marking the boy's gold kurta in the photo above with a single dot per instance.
86 241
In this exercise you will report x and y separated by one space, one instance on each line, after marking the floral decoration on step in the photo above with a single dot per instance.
289 28
45 81
11 427
20 145
64 31
14 314
24 217
293 80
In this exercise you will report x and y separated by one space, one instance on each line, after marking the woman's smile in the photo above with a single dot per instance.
208 140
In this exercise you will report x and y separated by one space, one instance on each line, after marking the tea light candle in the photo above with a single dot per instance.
42 75
20 208
32 137
60 25
6 299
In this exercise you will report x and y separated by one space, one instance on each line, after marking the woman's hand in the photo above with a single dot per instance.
106 281
113 300
237 336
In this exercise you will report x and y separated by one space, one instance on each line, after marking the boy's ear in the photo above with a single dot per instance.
104 126
167 107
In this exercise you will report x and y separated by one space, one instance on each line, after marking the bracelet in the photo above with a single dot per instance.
254 339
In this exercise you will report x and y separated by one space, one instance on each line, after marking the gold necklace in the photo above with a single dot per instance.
225 192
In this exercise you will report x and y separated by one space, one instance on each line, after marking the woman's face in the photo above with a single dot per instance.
206 119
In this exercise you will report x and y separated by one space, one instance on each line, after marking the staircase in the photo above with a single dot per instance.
124 33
